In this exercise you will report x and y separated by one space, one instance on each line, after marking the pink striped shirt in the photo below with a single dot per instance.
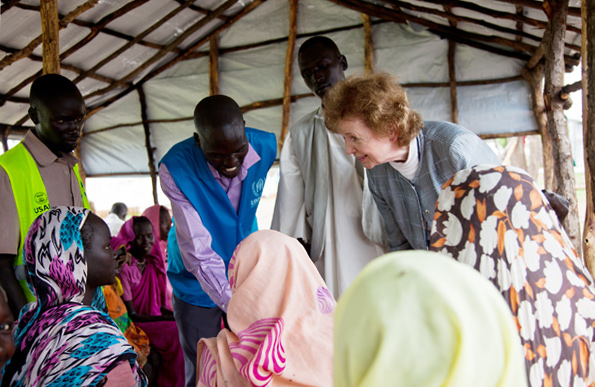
195 240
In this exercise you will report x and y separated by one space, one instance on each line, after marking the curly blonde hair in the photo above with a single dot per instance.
379 101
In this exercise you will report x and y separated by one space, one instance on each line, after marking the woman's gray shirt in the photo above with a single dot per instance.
407 206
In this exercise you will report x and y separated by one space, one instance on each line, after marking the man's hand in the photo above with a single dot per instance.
306 245
558 202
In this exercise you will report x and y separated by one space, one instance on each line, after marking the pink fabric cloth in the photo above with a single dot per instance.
281 314
153 213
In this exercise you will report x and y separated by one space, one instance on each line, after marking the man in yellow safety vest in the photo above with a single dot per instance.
38 173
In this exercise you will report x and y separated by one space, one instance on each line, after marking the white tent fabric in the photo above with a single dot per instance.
412 53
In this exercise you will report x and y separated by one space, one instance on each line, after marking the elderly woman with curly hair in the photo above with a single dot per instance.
407 159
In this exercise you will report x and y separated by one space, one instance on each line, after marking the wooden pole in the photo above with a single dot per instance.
150 149
452 71
368 44
214 65
293 12
557 11
534 77
588 79
50 36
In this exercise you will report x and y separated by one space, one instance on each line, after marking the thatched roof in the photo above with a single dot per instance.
143 64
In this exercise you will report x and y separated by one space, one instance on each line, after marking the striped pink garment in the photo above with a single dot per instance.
281 315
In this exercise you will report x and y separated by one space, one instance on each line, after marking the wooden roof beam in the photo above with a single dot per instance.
288 78
446 31
498 14
28 49
161 53
452 17
89 25
181 56
50 36
135 40
204 11
572 11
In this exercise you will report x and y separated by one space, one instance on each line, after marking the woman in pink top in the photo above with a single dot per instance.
161 220
144 284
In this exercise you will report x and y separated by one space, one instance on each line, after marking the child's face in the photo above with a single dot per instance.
142 244
164 224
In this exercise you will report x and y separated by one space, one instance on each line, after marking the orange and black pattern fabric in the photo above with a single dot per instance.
497 220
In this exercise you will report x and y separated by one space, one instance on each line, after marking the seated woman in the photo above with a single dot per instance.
407 159
143 283
280 316
66 337
417 318
161 220
118 312
497 220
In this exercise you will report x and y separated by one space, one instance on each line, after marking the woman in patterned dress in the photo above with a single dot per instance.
66 337
498 221
280 316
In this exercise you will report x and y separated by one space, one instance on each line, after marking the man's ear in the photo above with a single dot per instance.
33 115
343 61
196 139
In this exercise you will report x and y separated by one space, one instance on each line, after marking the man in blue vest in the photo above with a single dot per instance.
214 181
38 173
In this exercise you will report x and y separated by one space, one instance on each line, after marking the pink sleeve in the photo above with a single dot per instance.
121 376
125 280
194 241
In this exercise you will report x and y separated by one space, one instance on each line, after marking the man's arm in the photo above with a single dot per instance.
194 241
290 210
16 297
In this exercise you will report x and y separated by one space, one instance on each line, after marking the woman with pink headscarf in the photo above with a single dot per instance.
161 220
280 317
144 285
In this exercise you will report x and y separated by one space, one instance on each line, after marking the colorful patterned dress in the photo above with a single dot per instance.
497 220
59 341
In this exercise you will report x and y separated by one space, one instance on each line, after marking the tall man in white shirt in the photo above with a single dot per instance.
323 195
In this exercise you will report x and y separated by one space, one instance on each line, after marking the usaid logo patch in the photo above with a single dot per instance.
40 198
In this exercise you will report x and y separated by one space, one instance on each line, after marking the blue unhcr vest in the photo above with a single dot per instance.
189 170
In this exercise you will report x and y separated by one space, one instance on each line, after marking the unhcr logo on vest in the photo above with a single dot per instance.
257 188
41 200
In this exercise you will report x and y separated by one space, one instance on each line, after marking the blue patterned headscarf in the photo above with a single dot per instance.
59 341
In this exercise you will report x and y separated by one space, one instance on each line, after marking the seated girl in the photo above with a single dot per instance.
161 220
118 312
66 337
144 293
281 320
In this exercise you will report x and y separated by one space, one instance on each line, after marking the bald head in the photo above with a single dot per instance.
218 113
220 134
58 112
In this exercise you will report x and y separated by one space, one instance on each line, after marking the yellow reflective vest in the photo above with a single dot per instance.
30 197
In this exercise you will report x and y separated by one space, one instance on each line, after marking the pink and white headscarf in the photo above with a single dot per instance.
281 315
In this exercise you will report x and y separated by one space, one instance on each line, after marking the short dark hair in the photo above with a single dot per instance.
319 39
49 86
119 209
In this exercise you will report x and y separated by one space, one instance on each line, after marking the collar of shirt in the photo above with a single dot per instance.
251 158
42 154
